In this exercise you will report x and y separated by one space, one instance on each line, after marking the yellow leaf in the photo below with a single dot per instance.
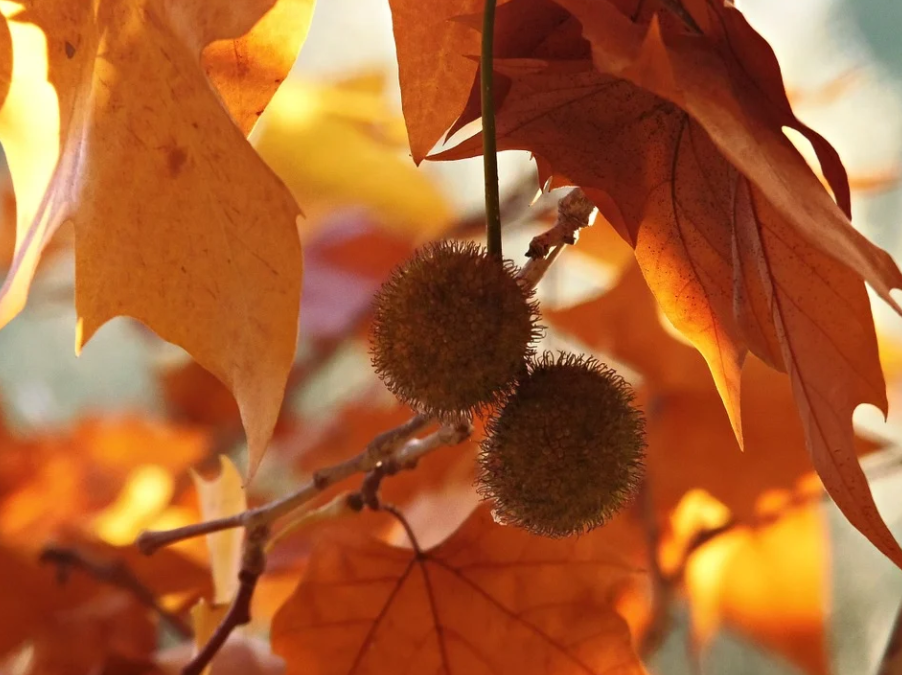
339 146
178 223
219 498
247 70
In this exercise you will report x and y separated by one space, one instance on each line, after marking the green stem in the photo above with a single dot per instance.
489 142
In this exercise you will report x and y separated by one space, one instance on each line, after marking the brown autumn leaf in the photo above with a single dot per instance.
490 599
177 222
676 145
721 90
814 316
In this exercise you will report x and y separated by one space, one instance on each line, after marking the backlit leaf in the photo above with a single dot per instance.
490 599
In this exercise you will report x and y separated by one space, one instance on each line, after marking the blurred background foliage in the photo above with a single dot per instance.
102 444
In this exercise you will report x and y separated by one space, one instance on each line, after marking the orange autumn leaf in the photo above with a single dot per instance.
814 316
247 69
435 73
178 223
490 599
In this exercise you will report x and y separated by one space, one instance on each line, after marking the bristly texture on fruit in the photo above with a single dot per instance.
453 329
566 450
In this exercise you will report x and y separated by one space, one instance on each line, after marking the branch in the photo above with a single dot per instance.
115 573
380 448
253 563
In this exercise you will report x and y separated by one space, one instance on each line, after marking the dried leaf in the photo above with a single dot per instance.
715 88
364 607
817 314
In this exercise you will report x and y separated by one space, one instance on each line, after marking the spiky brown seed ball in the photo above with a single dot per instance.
566 450
452 329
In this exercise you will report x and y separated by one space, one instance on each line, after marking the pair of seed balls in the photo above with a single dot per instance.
453 334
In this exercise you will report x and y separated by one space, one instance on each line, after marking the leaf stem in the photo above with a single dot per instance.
489 141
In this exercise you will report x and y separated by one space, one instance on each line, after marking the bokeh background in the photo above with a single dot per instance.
335 135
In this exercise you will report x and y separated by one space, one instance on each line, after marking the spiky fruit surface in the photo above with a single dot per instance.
452 329
566 450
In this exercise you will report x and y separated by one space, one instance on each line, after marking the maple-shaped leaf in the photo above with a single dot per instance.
178 223
707 80
488 600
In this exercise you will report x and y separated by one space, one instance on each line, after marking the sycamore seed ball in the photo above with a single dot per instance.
452 329
565 452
